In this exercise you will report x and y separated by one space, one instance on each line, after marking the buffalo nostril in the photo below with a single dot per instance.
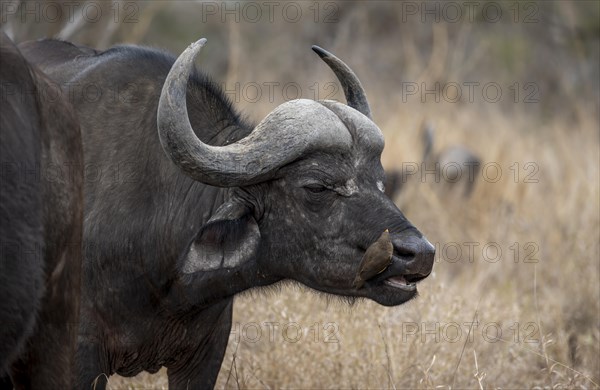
417 253
404 251
407 247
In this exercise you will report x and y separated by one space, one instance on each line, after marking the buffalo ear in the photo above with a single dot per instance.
229 239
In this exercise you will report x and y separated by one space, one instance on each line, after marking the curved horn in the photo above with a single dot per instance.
292 129
353 90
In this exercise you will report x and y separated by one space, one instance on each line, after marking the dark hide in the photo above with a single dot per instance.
41 213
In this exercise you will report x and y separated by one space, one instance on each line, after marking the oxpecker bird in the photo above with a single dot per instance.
375 260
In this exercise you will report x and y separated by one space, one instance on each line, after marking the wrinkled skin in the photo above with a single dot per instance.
164 254
41 212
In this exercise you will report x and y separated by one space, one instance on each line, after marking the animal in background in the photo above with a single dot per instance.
456 165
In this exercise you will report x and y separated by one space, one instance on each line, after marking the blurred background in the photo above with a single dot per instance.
514 299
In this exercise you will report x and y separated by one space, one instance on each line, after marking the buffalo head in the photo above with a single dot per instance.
306 195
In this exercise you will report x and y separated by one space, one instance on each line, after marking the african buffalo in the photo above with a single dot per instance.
204 205
41 213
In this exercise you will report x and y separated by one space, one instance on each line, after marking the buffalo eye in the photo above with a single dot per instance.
318 196
315 188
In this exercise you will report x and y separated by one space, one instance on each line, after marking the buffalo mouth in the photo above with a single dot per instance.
395 284
397 275
401 283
